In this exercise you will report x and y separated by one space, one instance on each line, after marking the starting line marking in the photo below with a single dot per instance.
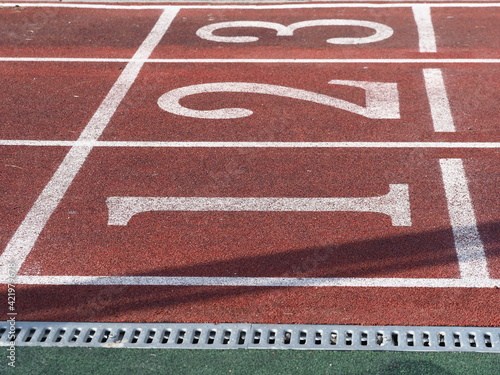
276 6
396 204
257 281
156 144
253 61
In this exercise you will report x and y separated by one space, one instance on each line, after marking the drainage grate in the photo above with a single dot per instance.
252 336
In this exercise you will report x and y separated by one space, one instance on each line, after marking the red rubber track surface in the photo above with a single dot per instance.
61 32
290 120
54 101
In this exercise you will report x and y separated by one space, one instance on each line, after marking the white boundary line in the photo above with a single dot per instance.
425 27
438 101
27 233
257 281
256 6
468 245
253 61
65 59
159 144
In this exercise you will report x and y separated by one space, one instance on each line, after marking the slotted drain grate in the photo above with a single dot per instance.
251 336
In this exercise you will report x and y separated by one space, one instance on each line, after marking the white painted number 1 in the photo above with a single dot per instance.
382 101
396 204
381 31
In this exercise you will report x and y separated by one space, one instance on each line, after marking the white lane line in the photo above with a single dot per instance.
426 35
393 4
166 144
396 204
28 142
360 4
470 251
254 61
442 118
256 281
64 59
329 61
27 233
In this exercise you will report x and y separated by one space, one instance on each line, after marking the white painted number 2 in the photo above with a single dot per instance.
382 100
381 31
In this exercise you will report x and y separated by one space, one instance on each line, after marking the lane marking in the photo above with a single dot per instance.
426 35
381 31
277 6
382 99
263 61
396 204
26 235
438 101
256 281
27 142
62 59
167 144
344 5
469 247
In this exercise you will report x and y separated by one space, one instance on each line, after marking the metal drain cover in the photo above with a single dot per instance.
251 336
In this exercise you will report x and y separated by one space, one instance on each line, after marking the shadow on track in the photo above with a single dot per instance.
123 303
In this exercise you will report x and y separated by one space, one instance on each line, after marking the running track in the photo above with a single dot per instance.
316 164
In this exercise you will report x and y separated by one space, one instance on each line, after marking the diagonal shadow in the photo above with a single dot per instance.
419 255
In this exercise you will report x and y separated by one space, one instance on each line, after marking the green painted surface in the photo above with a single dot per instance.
75 361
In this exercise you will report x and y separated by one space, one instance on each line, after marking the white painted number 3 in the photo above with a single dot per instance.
381 31
382 100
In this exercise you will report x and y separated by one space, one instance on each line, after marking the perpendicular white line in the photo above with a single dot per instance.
256 281
263 144
27 233
469 247
442 118
425 28
254 61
